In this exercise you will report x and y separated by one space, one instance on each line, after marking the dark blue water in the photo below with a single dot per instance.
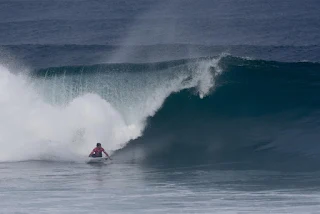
84 32
205 106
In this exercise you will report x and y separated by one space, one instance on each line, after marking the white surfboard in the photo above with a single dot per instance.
97 160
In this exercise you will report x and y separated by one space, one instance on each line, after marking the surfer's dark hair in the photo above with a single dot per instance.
98 144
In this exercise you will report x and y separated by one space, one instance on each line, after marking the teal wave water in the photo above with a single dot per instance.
260 115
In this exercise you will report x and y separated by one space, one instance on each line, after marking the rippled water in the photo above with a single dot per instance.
50 187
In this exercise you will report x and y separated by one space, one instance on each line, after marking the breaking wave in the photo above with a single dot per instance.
191 111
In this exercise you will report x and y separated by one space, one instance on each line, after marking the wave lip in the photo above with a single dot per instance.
56 55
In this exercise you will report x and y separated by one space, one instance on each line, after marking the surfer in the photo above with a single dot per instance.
97 152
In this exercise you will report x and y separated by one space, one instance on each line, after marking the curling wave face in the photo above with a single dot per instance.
261 114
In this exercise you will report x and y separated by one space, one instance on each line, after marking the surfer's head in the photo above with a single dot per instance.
98 144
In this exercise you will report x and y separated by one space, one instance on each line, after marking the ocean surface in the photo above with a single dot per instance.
205 106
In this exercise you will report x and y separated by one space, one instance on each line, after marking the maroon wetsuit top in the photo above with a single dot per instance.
97 151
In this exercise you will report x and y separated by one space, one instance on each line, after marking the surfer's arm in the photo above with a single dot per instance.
106 154
91 153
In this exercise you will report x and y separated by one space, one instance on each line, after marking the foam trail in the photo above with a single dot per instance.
33 129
